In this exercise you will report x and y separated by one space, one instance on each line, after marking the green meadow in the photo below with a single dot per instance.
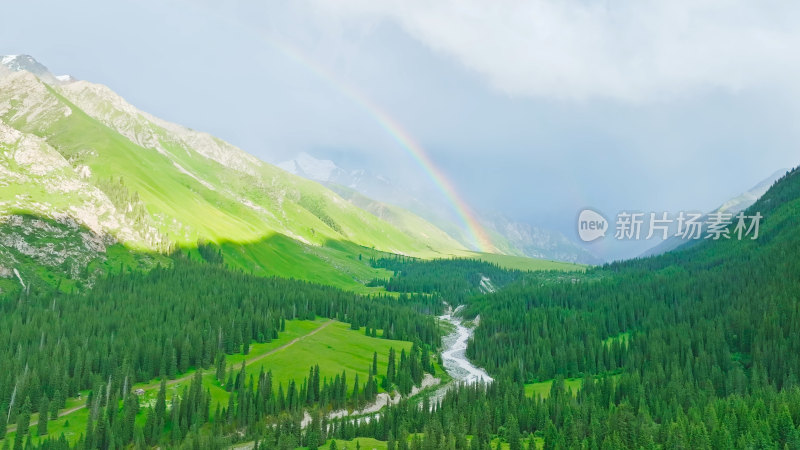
335 347
542 389
304 343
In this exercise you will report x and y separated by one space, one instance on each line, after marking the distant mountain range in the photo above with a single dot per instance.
732 206
510 237
536 242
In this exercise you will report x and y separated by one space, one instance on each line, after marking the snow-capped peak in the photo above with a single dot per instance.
27 63
8 59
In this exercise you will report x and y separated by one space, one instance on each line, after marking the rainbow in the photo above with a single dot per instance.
477 233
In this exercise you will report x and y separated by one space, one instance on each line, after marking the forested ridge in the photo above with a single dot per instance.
699 348
133 327
453 280
732 303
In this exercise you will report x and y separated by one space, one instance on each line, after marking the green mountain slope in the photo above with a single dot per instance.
77 154
659 345
404 220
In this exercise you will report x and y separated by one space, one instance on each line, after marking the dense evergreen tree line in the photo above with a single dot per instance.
133 327
729 304
255 408
211 253
604 414
453 280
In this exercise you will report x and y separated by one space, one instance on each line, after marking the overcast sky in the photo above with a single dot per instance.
533 109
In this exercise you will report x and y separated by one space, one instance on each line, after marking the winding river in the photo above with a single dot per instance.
454 360
454 356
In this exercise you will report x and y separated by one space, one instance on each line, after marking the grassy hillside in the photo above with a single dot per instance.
404 220
78 153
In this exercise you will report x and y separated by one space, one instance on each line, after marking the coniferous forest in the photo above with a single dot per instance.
698 348
399 225
134 327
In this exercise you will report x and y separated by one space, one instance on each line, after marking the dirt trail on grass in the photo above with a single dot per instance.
12 428
288 344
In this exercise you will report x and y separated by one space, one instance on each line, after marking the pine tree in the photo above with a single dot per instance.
175 419
55 404
24 418
390 367
44 411
150 431
89 436
160 408
129 409
356 392
101 434
315 387
784 425
3 421
220 374
426 360
172 363
512 433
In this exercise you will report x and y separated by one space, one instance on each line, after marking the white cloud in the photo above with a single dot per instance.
635 51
